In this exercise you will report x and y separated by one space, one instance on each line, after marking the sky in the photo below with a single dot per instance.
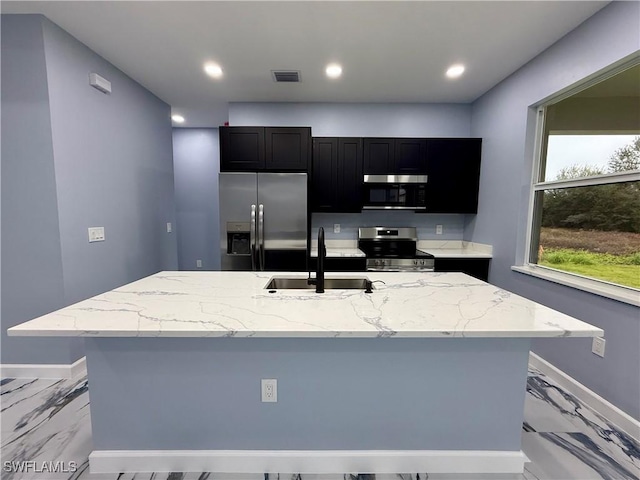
566 150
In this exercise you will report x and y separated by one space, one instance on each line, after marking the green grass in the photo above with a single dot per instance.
620 269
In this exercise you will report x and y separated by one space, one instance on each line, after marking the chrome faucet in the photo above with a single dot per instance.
322 253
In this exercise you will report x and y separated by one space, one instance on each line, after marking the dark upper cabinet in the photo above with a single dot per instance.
410 156
336 184
400 156
241 149
277 149
379 155
453 174
287 148
349 196
324 174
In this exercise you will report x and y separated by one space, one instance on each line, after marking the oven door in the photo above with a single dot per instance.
394 192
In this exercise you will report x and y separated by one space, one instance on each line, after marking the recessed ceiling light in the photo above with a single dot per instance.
455 71
333 70
213 70
177 118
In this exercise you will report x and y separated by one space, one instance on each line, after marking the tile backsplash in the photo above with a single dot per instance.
452 225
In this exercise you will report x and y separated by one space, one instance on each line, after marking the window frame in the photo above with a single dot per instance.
599 287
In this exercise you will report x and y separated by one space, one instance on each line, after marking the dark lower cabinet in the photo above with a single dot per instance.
453 174
269 149
340 264
285 260
476 267
336 183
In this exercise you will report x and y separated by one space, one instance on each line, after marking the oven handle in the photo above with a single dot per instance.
391 207
396 178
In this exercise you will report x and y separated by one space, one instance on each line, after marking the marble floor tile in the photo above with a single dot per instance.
48 420
533 371
572 456
550 409
45 421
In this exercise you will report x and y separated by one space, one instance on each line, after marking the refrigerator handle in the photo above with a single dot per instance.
261 235
252 237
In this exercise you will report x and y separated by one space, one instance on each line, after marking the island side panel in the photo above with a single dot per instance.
333 394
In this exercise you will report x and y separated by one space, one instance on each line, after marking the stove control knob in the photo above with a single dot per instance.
377 262
422 262
382 262
415 262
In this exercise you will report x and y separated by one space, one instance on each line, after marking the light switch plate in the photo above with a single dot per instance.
96 234
438 229
169 227
336 228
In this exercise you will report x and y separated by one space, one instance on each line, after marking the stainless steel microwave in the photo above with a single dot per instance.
395 192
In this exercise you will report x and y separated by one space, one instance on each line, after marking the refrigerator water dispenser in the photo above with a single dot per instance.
238 238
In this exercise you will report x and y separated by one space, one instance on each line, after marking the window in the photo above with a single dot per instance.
586 189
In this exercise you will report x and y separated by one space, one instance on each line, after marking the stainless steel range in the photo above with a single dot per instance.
393 249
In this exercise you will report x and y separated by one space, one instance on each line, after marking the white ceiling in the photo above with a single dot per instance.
394 51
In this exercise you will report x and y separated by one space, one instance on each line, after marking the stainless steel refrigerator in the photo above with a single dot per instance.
263 221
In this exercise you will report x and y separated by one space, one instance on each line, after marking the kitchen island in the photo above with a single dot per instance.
425 374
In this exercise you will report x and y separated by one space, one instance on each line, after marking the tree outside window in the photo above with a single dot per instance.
587 197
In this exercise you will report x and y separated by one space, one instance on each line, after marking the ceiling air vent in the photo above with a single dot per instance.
286 75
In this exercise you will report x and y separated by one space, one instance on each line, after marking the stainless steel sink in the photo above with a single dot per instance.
297 283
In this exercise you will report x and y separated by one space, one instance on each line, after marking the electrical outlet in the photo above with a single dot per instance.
336 228
96 234
597 346
199 263
269 390
438 229
169 227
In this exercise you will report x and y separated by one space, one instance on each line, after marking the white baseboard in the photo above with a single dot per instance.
621 419
74 370
307 461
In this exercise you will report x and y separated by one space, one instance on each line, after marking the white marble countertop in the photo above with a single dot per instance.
226 304
340 252
437 248
338 248
455 249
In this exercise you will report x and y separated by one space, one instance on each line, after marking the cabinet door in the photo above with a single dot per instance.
454 174
324 175
350 176
241 149
379 156
287 148
411 156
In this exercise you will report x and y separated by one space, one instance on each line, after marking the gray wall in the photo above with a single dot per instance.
505 121
31 257
97 160
452 225
368 120
114 168
359 120
332 393
196 160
